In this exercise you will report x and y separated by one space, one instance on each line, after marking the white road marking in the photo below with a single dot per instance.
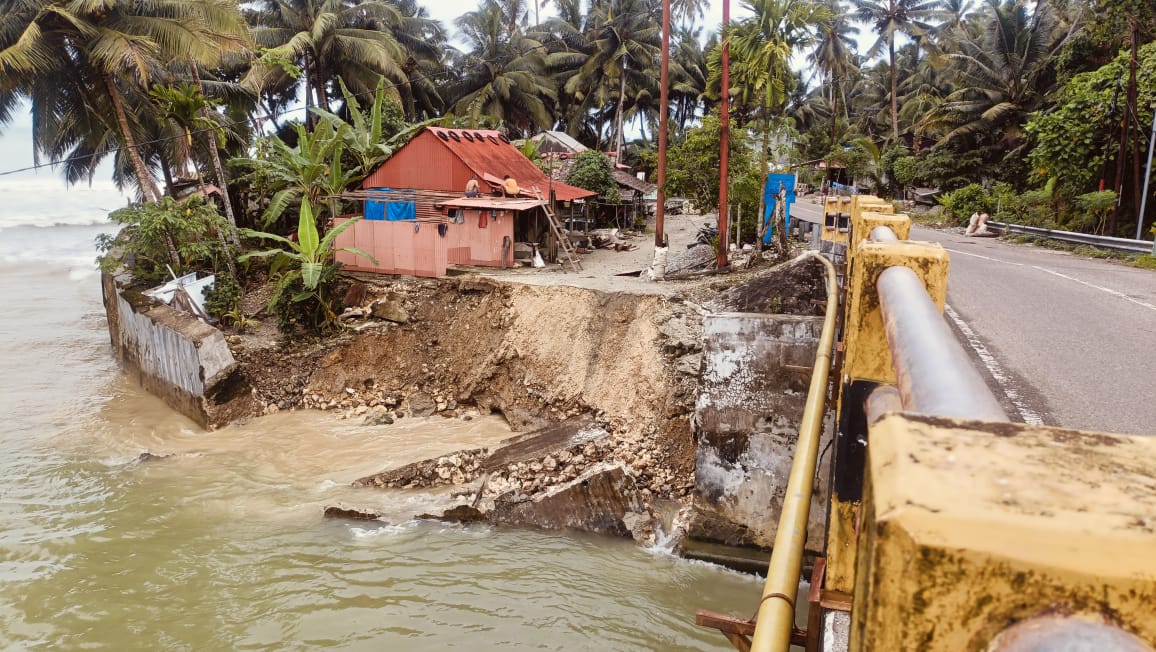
1115 293
1028 415
994 260
1110 291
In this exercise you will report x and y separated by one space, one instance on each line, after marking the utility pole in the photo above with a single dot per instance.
663 118
724 137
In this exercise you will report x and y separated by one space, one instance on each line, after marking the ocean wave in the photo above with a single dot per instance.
42 223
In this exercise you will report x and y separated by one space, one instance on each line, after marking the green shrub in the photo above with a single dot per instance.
299 309
185 235
223 298
960 204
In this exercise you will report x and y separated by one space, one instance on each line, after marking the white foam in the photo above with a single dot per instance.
386 530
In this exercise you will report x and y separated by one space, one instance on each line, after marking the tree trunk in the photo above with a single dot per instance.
310 119
322 94
764 168
618 115
894 92
218 169
148 187
834 111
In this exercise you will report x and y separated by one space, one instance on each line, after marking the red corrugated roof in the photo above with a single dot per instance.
488 152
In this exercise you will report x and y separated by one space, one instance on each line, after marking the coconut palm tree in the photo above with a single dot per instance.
835 56
624 42
358 41
504 76
1003 73
688 74
761 47
891 19
87 66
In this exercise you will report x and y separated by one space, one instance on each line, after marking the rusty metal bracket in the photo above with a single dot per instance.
739 630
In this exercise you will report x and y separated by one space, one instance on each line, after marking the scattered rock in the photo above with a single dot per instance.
389 309
383 419
351 514
422 405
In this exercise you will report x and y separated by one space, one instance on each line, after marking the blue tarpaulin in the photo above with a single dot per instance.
392 211
400 210
775 182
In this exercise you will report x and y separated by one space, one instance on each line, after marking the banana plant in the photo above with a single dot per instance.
371 136
307 173
310 250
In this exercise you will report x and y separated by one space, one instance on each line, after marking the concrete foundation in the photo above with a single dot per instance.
756 371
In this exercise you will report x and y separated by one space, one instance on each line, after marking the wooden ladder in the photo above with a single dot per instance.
567 247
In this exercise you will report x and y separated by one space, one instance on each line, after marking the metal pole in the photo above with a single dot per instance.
663 117
1147 179
724 137
776 614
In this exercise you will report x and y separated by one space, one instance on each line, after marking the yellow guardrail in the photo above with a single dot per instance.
776 613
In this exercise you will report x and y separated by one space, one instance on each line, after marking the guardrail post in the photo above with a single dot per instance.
867 364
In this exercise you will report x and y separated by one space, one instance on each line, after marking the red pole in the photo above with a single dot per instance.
663 117
724 138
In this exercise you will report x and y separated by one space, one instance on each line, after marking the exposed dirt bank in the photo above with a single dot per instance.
618 370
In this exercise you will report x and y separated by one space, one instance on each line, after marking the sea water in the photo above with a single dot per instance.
220 544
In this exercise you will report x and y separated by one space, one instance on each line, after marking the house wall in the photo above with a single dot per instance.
400 248
425 163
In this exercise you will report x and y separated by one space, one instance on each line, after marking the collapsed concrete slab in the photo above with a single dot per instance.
175 356
603 500
756 371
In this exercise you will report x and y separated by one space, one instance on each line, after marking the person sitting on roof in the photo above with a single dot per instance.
510 187
472 187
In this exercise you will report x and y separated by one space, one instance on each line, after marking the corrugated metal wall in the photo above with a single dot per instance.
417 249
423 164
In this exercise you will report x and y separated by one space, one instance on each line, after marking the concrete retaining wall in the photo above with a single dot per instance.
754 386
175 356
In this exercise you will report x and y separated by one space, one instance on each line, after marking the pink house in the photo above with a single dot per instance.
418 220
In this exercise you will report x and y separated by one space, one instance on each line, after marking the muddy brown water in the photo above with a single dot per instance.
221 545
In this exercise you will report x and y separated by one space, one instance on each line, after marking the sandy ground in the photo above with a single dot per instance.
601 267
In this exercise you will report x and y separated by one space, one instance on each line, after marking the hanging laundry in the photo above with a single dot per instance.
442 229
483 219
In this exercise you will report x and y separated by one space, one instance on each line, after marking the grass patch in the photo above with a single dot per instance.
1088 251
1144 261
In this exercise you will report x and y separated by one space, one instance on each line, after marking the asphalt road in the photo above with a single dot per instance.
1064 340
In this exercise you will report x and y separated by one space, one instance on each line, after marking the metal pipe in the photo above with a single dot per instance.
776 614
934 374
663 119
882 401
883 234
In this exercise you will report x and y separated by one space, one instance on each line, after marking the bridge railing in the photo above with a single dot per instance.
955 522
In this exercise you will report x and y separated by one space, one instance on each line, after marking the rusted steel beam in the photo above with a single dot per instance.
933 372
737 630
